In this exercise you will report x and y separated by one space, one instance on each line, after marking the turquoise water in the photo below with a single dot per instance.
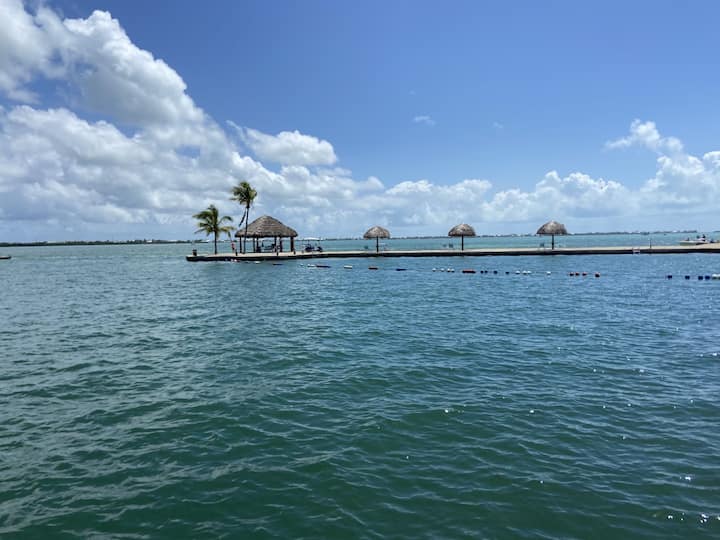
143 396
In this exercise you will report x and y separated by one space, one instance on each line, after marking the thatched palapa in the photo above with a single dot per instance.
377 233
268 227
551 228
462 231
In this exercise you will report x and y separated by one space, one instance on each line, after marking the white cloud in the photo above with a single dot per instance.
682 182
116 77
646 134
289 147
24 50
424 119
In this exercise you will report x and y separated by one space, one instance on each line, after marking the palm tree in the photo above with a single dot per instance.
245 195
210 222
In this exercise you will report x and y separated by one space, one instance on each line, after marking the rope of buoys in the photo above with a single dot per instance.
483 271
687 277
700 278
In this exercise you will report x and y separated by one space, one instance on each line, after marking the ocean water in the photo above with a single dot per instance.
142 396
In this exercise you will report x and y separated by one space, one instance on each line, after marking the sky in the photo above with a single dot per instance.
120 120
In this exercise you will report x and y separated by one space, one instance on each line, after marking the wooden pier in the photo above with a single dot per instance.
488 252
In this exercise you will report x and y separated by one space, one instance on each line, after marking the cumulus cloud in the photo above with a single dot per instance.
24 49
646 134
289 147
424 119
682 182
130 150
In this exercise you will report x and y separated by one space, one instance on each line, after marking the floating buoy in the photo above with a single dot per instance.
451 270
584 274
597 274
348 267
707 277
494 271
517 271
716 276
468 271
669 276
699 278
547 273
400 269
372 267
434 270
322 266
687 277
506 272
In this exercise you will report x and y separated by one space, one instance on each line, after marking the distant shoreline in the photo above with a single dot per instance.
203 241
96 243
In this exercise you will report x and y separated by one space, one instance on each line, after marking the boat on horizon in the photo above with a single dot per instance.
697 241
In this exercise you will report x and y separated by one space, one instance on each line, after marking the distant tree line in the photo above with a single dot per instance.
94 242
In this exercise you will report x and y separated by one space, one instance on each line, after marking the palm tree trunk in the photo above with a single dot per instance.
243 218
215 243
247 218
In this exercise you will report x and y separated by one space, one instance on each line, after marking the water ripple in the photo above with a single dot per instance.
146 397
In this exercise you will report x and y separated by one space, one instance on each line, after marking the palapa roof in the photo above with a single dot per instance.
462 230
266 227
376 232
552 227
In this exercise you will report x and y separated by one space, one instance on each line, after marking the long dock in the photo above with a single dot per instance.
485 252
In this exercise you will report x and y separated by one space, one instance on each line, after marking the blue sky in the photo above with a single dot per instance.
414 99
